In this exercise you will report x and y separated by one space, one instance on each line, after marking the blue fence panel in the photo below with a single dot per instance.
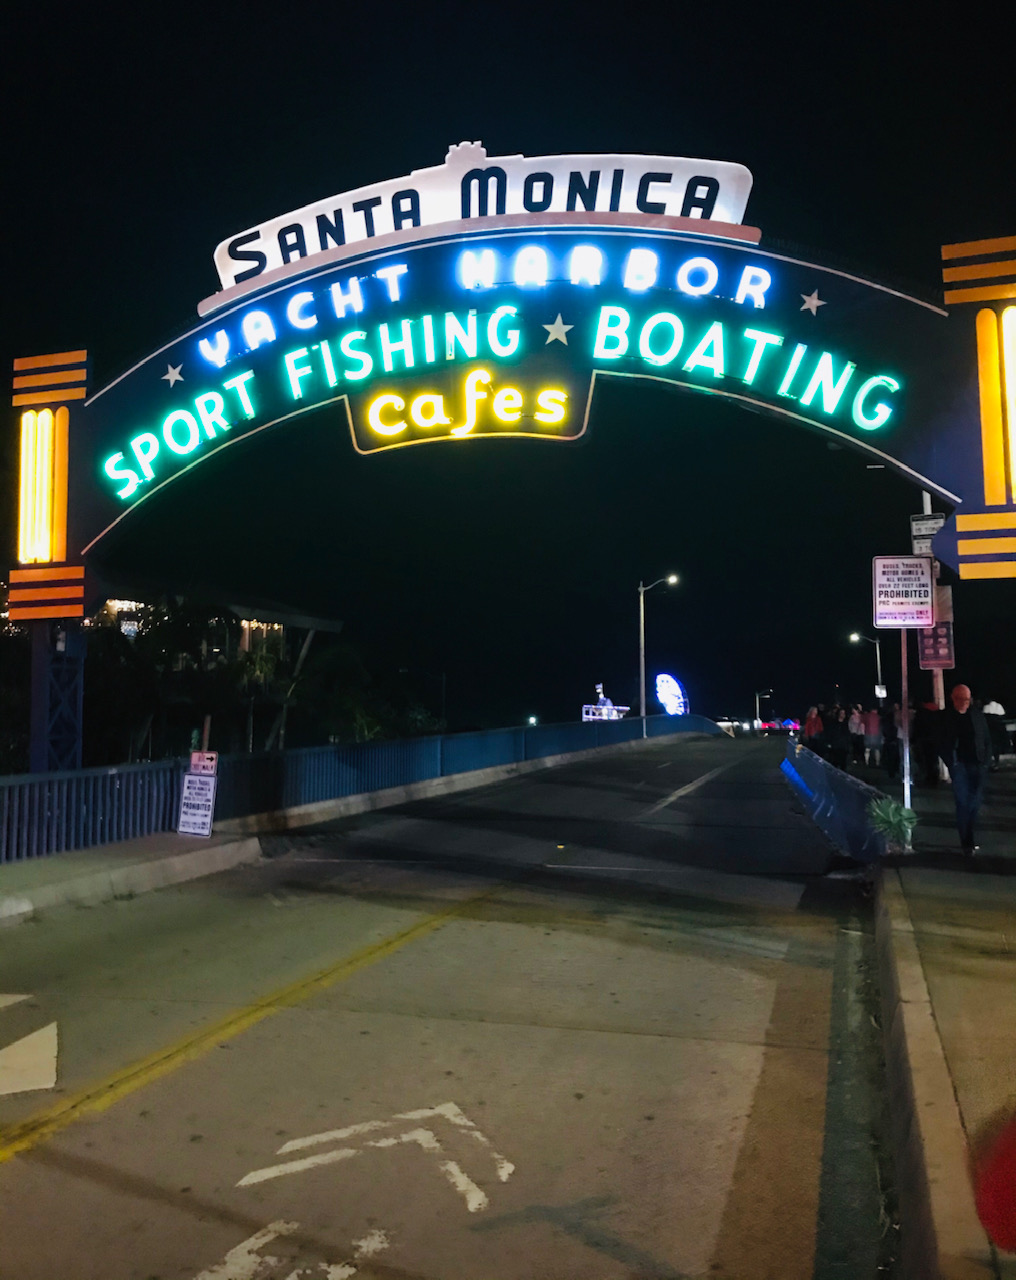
610 732
557 739
464 752
49 813
835 802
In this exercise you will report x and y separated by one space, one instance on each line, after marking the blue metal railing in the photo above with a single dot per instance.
836 802
44 813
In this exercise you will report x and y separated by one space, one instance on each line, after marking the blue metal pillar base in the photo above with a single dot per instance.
58 670
38 738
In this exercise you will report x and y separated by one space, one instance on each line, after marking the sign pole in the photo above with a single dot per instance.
905 726
903 596
937 674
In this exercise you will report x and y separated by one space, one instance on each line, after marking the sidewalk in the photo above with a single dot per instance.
90 876
947 933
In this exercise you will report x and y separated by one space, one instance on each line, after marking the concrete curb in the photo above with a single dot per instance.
304 815
941 1236
137 877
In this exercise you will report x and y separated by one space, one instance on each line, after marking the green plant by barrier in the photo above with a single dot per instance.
893 820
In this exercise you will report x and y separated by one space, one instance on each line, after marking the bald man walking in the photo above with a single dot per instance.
966 749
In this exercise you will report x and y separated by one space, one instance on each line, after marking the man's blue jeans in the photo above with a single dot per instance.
968 788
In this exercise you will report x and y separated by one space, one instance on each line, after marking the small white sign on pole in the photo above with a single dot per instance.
903 591
197 804
922 531
204 762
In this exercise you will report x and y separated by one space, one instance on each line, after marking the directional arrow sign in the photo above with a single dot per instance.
28 1063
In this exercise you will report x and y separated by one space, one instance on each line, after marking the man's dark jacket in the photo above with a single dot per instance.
950 732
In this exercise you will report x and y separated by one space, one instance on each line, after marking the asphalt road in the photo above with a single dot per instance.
608 1021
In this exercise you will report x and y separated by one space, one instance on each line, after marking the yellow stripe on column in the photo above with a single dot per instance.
989 382
986 522
58 514
989 569
51 361
19 613
975 271
65 573
971 248
985 293
58 378
20 595
986 546
66 393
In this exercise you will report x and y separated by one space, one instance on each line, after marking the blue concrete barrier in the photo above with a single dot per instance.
836 802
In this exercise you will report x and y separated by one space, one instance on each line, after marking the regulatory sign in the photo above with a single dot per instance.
903 591
204 762
935 649
197 805
922 529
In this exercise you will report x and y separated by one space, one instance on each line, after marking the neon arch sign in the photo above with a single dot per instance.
488 297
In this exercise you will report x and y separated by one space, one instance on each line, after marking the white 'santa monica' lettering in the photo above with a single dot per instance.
471 185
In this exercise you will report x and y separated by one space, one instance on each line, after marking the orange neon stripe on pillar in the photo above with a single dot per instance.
42 512
59 523
992 438
42 509
1009 385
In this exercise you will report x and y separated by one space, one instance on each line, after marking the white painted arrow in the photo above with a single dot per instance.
28 1063
425 1138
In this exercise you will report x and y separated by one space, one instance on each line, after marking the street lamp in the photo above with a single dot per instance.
856 638
670 580
760 694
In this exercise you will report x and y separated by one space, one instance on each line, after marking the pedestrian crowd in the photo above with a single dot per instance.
851 736
966 737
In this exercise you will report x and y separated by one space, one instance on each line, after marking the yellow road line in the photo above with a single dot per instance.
97 1097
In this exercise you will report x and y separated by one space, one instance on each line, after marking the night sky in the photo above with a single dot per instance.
137 139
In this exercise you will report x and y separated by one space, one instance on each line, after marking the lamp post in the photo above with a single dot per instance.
760 694
670 580
856 638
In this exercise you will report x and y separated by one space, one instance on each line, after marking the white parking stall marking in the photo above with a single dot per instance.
30 1062
247 1262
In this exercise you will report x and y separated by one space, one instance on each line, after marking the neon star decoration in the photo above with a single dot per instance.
173 374
812 302
557 332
